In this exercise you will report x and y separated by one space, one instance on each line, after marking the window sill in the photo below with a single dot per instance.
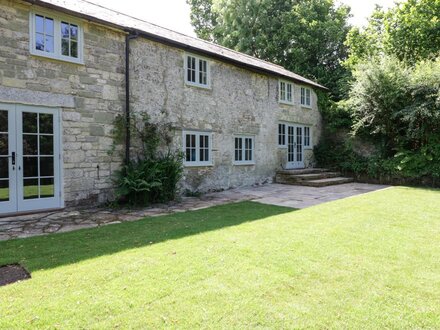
306 106
243 163
286 103
57 58
190 84
198 164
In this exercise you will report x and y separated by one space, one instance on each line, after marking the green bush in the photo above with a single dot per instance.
397 109
151 176
150 180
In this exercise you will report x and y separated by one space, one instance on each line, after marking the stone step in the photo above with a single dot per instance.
325 182
302 171
310 176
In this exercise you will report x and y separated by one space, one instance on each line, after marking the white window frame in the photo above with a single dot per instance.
56 55
197 82
197 162
285 100
303 100
310 145
243 150
284 136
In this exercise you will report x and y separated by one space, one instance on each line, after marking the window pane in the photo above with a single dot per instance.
29 122
188 141
74 49
30 166
46 166
65 30
30 145
47 188
4 190
39 42
202 140
65 47
46 145
49 27
188 71
282 91
39 24
188 155
3 121
289 92
4 167
74 32
4 147
46 123
49 44
30 188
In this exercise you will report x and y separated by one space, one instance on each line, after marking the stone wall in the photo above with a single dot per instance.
90 96
238 102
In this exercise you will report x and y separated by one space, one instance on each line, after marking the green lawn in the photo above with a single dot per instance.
45 190
371 261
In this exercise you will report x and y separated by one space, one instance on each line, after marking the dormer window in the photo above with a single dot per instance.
285 92
197 71
56 38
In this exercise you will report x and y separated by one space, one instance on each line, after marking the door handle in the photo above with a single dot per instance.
13 158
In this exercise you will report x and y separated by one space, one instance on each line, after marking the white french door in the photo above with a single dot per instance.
30 162
295 148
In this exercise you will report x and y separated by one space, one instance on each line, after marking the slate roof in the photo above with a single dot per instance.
103 15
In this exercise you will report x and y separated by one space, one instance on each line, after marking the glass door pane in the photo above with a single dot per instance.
299 146
290 144
38 155
4 157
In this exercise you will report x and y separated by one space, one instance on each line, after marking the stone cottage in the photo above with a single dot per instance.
68 68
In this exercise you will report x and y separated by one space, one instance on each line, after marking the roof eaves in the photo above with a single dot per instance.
279 72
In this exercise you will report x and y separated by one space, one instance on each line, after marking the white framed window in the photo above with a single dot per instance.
285 92
306 97
244 150
307 138
282 135
197 148
56 37
197 71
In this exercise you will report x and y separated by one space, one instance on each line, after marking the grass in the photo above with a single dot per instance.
45 190
370 262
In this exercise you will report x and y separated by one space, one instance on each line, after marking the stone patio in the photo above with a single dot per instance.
274 194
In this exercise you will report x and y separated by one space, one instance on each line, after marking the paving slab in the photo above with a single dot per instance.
273 194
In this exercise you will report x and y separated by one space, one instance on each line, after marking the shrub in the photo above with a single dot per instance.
150 180
152 175
396 108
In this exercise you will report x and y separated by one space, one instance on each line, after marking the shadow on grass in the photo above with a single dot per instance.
45 252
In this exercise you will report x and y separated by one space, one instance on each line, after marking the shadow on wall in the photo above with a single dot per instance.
45 252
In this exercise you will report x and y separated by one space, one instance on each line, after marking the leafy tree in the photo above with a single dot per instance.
409 31
412 30
203 19
396 104
366 43
304 36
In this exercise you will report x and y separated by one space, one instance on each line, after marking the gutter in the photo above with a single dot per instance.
128 37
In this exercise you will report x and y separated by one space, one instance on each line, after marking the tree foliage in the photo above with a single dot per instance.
409 31
304 36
